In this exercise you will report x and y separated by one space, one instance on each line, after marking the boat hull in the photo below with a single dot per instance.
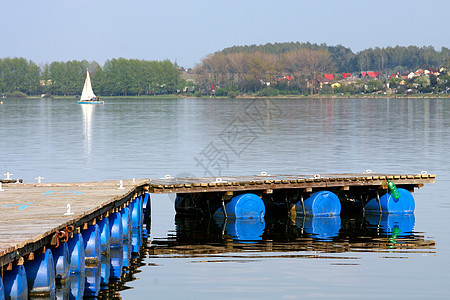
91 102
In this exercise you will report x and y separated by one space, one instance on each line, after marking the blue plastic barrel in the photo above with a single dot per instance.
16 284
61 258
247 206
136 212
76 252
323 203
115 223
2 290
400 225
93 280
41 274
126 223
245 229
105 235
320 227
92 247
146 205
389 205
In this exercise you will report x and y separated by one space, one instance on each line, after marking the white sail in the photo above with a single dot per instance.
87 93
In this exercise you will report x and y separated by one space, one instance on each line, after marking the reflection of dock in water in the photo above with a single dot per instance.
195 237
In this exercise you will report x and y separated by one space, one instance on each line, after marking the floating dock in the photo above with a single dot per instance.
269 183
37 218
314 194
48 229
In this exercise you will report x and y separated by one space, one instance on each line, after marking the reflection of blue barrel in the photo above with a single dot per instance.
93 279
41 274
115 223
61 259
76 252
126 254
105 235
91 237
323 203
136 240
323 228
105 268
403 205
77 283
116 263
245 229
247 206
398 224
15 282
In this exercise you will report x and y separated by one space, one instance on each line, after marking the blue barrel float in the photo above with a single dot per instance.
92 247
61 258
146 205
76 252
126 223
323 203
247 206
115 224
15 282
2 290
389 204
41 274
105 235
136 212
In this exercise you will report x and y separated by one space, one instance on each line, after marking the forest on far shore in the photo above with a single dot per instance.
262 70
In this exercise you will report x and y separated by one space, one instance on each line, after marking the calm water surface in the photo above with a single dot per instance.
202 259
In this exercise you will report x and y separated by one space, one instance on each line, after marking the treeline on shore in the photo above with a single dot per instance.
117 77
296 68
263 70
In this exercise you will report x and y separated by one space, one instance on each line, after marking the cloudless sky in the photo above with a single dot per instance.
186 31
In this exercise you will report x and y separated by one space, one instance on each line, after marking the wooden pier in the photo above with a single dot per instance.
269 183
32 215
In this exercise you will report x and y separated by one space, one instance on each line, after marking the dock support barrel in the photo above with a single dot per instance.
126 223
323 203
41 274
15 282
76 251
247 206
91 237
2 290
388 204
61 259
105 235
115 223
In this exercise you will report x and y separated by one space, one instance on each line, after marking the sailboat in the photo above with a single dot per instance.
87 95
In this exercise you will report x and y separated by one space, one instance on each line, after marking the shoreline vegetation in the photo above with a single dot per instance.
280 70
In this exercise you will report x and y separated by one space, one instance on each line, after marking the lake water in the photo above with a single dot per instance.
201 259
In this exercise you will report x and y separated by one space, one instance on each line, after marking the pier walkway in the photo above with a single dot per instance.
32 214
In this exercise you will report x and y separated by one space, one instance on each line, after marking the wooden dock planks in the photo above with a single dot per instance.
31 214
269 182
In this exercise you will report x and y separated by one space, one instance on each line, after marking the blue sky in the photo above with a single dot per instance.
187 31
